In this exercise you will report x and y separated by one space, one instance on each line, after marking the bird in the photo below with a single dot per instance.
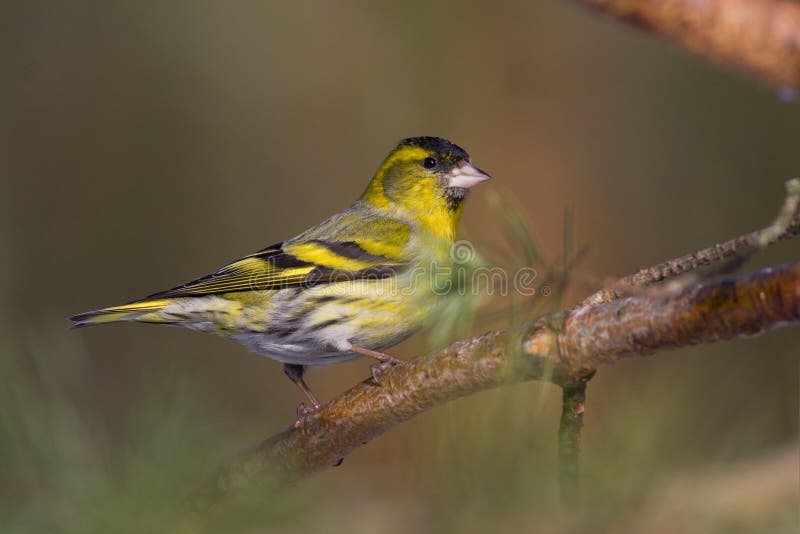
354 285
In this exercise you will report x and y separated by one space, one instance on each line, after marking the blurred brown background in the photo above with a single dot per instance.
145 143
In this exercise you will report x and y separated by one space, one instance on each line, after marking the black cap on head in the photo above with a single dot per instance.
445 148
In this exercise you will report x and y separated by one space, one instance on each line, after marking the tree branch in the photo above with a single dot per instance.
561 348
758 37
564 348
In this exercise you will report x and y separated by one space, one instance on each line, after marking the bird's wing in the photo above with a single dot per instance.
290 264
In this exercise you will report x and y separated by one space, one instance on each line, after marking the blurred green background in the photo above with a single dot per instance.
145 143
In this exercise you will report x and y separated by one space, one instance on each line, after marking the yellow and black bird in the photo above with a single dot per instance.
353 285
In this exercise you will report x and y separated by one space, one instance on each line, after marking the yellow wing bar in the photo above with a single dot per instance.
286 265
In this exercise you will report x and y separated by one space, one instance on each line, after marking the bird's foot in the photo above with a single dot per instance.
380 356
378 369
304 411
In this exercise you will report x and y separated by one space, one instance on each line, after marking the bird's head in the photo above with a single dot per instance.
427 178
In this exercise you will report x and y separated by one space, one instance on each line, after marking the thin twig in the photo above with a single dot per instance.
573 404
738 250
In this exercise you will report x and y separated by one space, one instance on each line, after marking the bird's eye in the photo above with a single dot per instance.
429 163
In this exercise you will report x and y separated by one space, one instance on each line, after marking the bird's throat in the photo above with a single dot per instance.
454 196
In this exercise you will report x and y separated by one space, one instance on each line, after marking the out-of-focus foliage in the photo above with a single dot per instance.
145 143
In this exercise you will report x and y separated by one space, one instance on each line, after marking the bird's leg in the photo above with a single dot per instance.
385 361
295 374
380 356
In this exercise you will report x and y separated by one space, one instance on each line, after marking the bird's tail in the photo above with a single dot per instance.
145 311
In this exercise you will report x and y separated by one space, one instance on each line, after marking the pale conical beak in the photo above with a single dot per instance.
465 175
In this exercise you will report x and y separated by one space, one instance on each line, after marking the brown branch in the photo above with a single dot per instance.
758 37
738 250
560 348
738 307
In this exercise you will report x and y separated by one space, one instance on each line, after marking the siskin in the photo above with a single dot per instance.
357 283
